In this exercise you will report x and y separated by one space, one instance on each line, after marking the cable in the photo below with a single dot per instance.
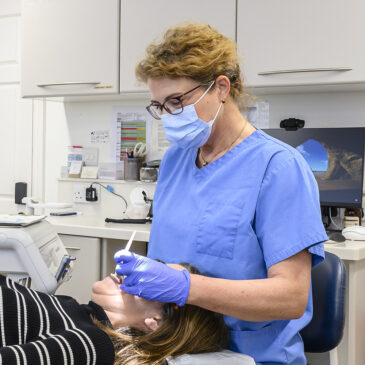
329 211
111 190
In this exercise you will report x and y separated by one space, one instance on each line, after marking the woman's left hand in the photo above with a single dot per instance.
152 280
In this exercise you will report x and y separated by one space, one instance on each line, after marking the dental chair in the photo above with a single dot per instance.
325 330
225 357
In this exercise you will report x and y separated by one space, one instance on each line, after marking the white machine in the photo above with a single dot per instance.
34 251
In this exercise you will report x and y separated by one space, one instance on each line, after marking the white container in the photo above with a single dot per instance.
111 170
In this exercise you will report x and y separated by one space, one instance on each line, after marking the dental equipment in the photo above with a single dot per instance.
34 252
114 275
129 244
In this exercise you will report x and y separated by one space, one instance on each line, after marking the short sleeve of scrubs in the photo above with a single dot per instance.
288 217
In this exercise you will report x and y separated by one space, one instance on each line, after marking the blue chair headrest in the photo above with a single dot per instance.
325 330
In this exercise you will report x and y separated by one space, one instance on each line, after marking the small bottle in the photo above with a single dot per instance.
148 174
352 217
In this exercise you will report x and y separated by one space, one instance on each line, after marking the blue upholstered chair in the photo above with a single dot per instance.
325 330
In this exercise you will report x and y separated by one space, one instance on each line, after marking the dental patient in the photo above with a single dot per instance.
114 328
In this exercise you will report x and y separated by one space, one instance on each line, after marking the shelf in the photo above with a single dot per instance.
106 181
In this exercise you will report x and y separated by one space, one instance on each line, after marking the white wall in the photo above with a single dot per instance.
15 113
70 124
336 109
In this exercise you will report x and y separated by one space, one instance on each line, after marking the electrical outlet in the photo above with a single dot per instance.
79 193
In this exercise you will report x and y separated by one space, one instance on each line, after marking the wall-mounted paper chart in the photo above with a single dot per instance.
131 125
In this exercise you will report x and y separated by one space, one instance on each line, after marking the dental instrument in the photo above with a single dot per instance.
114 275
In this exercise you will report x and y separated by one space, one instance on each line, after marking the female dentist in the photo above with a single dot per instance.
240 205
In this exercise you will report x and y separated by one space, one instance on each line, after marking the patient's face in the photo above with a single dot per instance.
124 309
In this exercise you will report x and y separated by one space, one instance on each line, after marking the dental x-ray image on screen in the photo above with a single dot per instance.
336 157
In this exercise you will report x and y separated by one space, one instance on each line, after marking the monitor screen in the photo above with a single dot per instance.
336 157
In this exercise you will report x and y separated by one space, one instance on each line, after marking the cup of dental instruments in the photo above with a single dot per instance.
132 166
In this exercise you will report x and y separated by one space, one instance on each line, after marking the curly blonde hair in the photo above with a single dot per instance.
195 51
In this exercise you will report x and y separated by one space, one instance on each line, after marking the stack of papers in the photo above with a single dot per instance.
19 220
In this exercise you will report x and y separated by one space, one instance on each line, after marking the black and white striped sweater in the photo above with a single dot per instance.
41 329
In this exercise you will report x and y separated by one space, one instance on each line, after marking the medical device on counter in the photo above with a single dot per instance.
34 251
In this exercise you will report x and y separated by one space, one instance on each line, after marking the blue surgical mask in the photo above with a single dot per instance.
186 130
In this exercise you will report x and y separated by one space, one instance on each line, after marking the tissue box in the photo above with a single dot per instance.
111 171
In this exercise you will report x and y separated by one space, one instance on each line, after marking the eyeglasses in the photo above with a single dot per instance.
173 105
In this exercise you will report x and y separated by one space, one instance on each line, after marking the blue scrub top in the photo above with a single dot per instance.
253 207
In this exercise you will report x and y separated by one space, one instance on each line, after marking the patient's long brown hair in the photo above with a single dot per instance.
187 329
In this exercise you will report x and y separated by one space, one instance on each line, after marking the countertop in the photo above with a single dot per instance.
348 250
90 226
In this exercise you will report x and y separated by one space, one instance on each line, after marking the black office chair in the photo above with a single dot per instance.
325 330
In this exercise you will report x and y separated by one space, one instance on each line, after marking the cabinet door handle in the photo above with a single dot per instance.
70 83
278 72
73 248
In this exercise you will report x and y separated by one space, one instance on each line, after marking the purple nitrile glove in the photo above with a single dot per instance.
152 280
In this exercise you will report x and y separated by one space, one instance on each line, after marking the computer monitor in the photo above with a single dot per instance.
336 157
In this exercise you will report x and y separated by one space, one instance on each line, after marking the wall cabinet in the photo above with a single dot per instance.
87 47
295 35
143 21
70 47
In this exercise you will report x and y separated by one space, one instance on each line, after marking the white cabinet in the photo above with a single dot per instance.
70 47
142 21
295 35
87 267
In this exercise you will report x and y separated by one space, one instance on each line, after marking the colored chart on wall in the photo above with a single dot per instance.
134 124
129 127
